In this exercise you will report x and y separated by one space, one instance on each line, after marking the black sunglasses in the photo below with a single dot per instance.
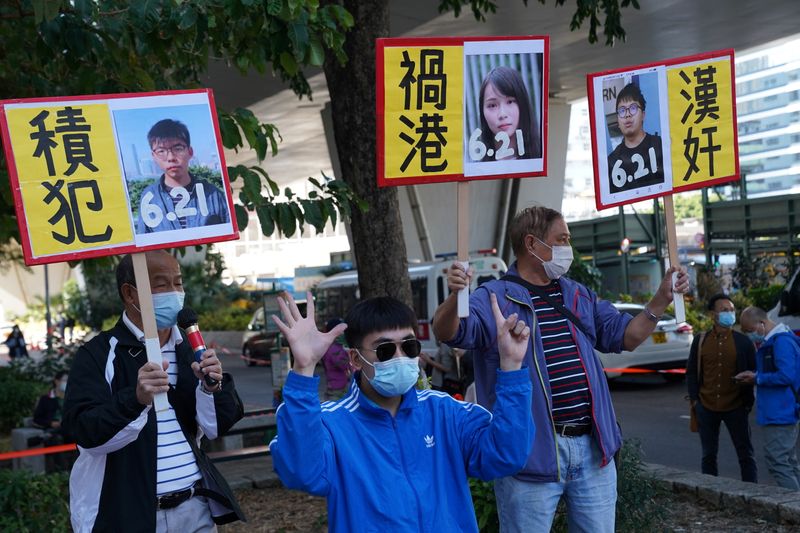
386 350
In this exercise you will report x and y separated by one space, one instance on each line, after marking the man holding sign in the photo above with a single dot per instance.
138 469
577 434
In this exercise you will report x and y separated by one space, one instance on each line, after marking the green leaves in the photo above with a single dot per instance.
44 10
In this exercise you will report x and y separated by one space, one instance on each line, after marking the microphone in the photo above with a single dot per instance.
187 320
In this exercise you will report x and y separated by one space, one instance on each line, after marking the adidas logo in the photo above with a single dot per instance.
429 442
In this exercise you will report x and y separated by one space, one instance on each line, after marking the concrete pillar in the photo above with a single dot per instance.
549 190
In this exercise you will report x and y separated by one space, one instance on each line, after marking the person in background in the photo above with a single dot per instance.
715 358
47 416
16 343
776 380
337 364
49 408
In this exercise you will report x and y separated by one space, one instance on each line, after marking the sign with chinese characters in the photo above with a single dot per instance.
461 108
112 174
663 128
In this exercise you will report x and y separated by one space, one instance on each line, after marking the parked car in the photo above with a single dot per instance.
666 348
261 337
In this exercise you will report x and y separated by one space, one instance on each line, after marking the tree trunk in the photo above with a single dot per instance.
378 243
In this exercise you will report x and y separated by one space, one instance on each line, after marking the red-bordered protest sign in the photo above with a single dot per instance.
461 108
100 175
663 127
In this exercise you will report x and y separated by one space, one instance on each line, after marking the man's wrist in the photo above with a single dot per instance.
653 317
211 391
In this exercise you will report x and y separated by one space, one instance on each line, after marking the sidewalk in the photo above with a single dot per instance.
774 504
769 502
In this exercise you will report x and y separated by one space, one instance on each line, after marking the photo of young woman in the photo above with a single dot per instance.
506 117
505 101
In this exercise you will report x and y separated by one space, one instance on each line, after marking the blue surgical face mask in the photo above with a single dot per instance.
755 336
166 306
727 319
393 377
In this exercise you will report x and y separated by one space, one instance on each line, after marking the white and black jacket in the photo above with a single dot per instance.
113 482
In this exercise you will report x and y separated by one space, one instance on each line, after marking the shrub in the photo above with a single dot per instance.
44 369
485 505
33 502
18 396
765 297
229 318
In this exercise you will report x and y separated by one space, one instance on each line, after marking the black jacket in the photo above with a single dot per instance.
46 410
745 360
113 482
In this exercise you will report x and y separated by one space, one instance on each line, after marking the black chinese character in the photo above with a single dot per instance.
69 211
705 93
44 141
692 149
432 81
429 148
76 139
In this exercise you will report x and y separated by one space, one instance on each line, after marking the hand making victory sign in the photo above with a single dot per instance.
512 338
307 342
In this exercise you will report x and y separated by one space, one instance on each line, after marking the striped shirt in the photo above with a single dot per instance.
568 382
176 468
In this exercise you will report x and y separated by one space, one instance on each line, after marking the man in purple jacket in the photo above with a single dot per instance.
577 434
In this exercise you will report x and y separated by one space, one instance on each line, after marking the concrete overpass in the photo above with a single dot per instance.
659 30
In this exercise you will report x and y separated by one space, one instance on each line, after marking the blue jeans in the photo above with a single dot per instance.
708 423
781 455
590 492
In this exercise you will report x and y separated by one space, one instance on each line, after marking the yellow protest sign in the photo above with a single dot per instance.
455 108
114 174
662 128
701 122
424 111
69 177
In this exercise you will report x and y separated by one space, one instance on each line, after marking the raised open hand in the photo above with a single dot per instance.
308 344
512 338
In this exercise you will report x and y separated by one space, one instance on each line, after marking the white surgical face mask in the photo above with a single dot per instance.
559 264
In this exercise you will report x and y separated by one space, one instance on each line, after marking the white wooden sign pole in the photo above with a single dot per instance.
463 243
672 245
151 342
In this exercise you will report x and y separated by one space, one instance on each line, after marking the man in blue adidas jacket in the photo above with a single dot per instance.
388 457
776 379
572 456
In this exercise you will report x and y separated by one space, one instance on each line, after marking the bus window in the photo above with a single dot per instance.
419 297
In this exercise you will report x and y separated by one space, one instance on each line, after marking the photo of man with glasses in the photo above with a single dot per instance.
637 160
177 199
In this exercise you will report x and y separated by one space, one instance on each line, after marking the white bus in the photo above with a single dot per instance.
334 296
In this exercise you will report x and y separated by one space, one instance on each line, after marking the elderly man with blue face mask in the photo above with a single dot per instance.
715 359
138 469
576 429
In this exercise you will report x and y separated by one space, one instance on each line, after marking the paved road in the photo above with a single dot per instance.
648 409
656 413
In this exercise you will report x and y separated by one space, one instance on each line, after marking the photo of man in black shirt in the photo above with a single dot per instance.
637 161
